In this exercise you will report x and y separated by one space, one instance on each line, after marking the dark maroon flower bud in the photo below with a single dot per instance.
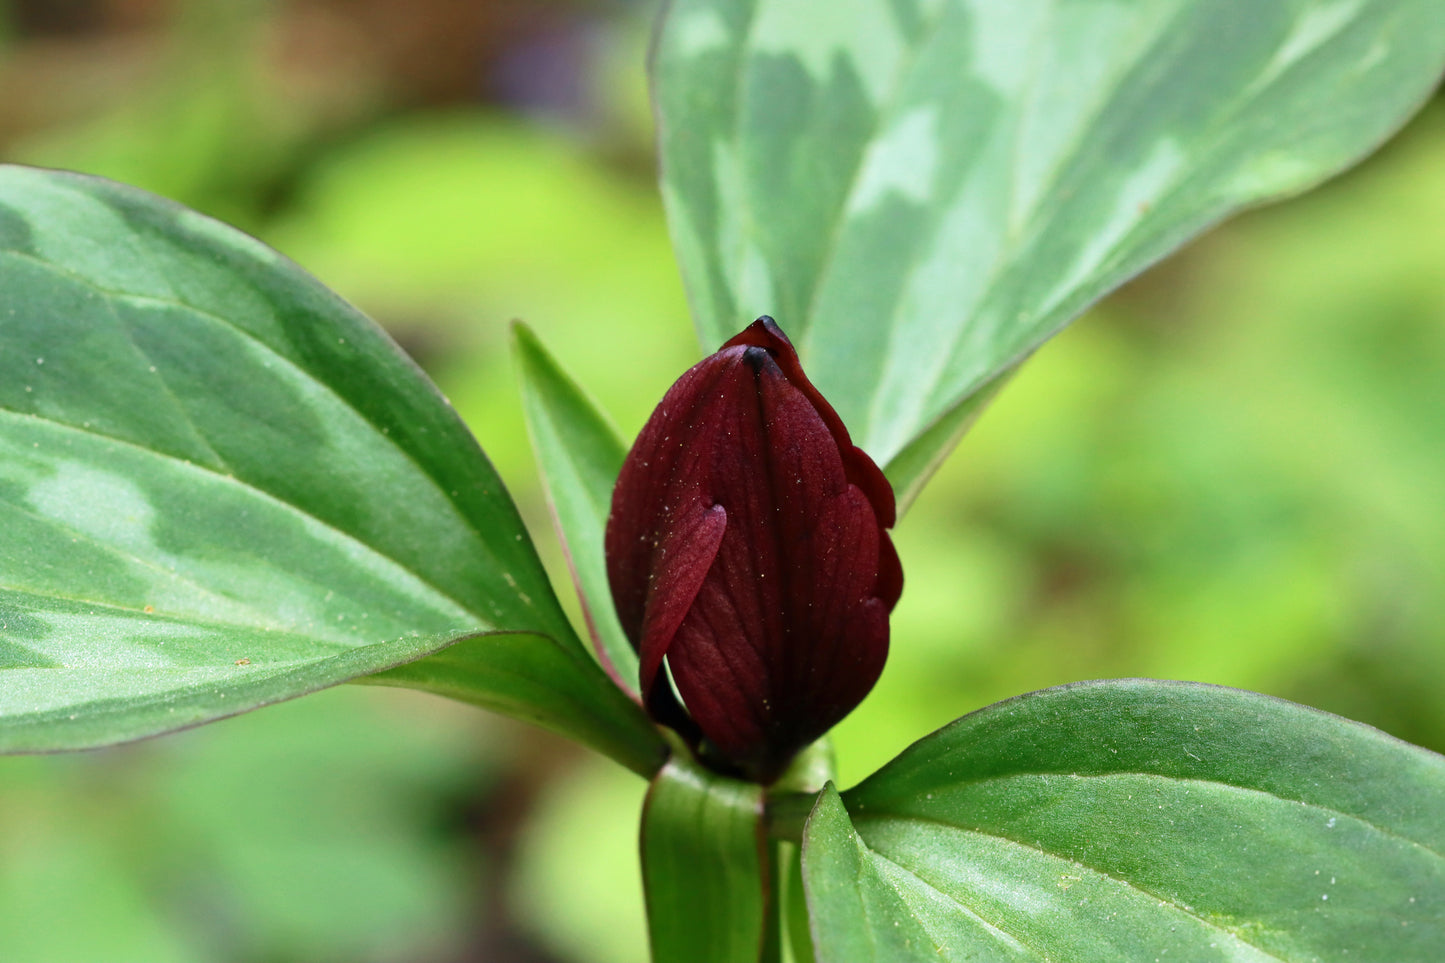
747 548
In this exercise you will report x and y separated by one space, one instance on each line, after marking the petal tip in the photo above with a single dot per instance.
763 333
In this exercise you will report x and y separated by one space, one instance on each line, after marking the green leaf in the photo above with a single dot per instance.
923 191
794 904
579 456
703 867
221 486
1135 820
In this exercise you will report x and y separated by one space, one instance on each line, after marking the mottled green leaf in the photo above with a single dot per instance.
703 867
923 191
1136 820
221 486
580 456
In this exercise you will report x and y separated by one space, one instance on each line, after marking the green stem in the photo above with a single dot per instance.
786 813
791 798
772 948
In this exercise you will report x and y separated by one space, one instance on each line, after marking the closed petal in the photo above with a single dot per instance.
747 552
781 641
683 558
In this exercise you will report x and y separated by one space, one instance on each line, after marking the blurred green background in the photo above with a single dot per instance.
1233 471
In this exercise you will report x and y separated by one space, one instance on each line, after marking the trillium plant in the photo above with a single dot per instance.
221 487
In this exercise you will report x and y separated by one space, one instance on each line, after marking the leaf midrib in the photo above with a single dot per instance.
219 625
117 551
183 465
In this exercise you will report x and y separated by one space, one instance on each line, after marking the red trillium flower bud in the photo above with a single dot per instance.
748 550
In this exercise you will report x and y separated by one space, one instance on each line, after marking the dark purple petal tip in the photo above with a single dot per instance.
748 554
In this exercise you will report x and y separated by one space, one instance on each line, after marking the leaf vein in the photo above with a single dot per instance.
1017 938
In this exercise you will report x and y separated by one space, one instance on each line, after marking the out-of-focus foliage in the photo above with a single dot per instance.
313 831
448 226
579 884
1230 472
